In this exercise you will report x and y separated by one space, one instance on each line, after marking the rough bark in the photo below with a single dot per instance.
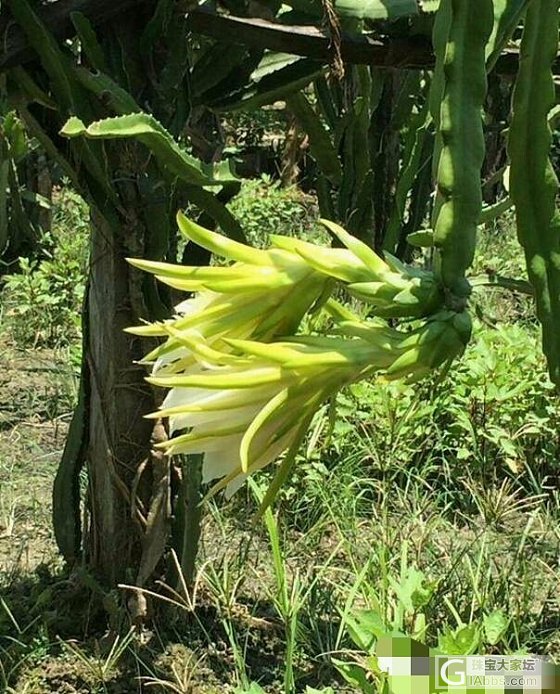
119 437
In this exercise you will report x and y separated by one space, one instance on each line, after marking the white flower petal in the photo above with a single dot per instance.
267 457
202 421
221 463
196 304
206 398
209 445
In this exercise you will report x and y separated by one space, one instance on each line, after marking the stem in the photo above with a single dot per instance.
188 517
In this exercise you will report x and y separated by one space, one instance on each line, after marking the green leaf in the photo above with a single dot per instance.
151 133
495 625
365 628
15 135
216 65
273 61
429 5
157 24
507 15
52 59
361 214
355 675
113 96
491 212
254 688
418 125
35 129
69 94
274 85
463 641
411 590
533 181
22 83
20 224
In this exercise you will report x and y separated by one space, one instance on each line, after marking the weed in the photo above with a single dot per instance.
42 301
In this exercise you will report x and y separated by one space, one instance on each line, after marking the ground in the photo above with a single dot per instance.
53 637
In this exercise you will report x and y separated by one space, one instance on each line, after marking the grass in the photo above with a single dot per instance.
434 508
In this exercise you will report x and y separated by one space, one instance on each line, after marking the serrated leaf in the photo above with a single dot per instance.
495 625
151 133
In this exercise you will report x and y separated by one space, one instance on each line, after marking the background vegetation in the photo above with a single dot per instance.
435 508
431 511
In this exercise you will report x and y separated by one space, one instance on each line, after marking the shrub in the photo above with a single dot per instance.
263 207
42 301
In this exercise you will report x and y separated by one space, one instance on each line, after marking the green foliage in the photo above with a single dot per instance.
367 627
499 255
42 301
245 130
263 208
494 414
431 463
19 229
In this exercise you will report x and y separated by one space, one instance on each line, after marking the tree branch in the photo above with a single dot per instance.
310 41
414 52
313 42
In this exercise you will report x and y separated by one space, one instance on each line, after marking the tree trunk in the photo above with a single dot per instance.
118 447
